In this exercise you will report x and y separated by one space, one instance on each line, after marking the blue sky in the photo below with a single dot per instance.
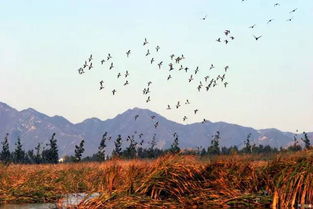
270 81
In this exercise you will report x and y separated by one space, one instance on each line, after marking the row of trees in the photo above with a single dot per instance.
49 153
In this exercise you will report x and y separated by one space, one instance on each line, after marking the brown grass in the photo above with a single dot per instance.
283 181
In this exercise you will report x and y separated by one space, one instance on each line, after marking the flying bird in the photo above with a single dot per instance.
148 99
157 48
195 111
257 37
136 116
128 53
294 10
269 21
111 66
101 85
148 52
160 64
113 91
90 58
145 42
169 77
252 26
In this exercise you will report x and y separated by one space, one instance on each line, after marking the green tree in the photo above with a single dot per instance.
19 153
306 140
131 151
5 155
248 147
79 150
51 155
175 145
101 148
118 147
214 149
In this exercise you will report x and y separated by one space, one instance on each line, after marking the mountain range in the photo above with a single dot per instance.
34 127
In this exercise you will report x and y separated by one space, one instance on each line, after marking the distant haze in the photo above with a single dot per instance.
43 43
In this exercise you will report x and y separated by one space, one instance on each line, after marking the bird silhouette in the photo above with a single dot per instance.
152 117
160 64
148 99
225 84
204 18
195 111
257 37
126 83
118 75
196 70
152 60
169 77
109 56
270 20
126 74
111 66
156 124
128 53
90 66
81 70
136 116
113 91
90 58
276 4
190 79
157 48
172 56
148 52
218 40
101 84
185 118
168 107
145 42
227 32
177 105
149 83
211 67
187 101
85 64
289 20
293 11
226 68
252 26
102 62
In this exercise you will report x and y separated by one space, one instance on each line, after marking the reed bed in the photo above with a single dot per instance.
172 181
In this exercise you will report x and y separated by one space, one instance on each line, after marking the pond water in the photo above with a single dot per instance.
68 200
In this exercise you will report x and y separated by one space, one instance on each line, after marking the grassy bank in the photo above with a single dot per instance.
281 181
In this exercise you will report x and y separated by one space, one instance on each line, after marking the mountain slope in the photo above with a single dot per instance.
34 127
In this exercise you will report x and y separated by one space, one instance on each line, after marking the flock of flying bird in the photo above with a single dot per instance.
176 63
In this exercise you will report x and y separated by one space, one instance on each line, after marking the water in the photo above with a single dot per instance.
68 200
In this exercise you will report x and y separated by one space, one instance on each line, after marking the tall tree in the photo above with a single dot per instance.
175 145
248 147
118 146
101 148
79 150
19 153
5 155
131 151
214 149
51 155
306 140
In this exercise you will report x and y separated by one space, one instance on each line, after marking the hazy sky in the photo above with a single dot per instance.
43 43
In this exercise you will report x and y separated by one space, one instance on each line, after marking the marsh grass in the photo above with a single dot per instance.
246 181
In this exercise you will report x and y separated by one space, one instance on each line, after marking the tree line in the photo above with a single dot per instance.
49 153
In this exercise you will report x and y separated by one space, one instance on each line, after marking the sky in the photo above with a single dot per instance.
270 81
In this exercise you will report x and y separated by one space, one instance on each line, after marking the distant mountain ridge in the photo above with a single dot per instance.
34 127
